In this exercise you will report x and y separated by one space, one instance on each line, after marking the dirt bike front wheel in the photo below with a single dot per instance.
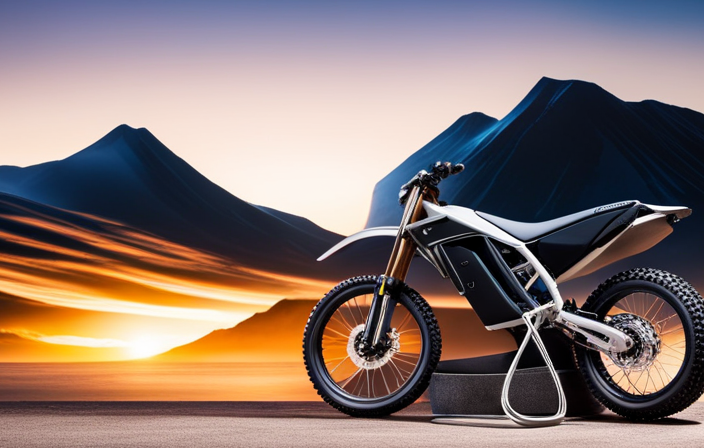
663 373
370 385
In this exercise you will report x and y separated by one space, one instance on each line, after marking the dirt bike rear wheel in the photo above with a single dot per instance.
664 372
370 386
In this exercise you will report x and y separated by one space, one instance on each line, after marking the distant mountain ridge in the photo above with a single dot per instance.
567 146
131 177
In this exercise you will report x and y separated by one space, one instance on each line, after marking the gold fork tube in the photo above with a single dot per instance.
405 247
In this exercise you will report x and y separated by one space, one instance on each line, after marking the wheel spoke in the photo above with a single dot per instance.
650 308
658 372
672 348
663 353
638 380
383 377
404 322
664 370
343 360
369 392
666 319
343 322
674 330
334 344
346 336
349 309
359 310
342 316
406 362
621 371
628 377
400 371
329 360
343 385
662 303
359 386
652 381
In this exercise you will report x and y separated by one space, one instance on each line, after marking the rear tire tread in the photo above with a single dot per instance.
694 383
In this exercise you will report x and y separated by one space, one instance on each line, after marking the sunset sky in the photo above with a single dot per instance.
304 106
298 106
121 289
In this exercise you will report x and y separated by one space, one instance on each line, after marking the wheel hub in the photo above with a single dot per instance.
371 358
646 342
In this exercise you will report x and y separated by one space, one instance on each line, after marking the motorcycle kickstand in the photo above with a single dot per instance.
532 333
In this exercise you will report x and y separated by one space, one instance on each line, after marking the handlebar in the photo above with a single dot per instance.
439 171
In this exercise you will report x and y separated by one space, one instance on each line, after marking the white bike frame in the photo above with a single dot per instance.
641 234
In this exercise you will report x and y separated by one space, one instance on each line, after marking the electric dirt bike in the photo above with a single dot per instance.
372 343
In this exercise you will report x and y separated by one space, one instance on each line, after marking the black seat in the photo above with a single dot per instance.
529 231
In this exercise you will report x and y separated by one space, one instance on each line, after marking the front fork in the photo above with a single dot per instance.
388 287
380 313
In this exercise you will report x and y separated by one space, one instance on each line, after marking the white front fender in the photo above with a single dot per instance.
366 233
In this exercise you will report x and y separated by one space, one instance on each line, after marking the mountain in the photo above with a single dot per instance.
569 146
129 176
276 335
273 335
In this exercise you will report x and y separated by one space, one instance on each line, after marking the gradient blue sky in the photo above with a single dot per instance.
330 95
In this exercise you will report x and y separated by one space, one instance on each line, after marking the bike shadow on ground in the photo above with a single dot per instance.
503 422
613 418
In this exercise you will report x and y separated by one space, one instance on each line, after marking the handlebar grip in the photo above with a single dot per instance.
446 169
439 171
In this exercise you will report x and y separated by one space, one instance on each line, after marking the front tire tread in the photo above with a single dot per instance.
435 344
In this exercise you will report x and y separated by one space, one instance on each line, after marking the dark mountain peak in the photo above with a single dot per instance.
546 84
124 128
121 131
126 140
476 117
474 122
563 95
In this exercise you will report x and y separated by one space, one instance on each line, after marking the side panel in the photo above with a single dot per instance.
474 280
430 232
476 268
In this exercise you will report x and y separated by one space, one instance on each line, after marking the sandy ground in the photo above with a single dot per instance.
309 424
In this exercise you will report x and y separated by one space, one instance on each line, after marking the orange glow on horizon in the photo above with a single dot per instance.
121 271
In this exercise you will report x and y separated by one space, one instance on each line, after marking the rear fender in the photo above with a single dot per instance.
366 233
